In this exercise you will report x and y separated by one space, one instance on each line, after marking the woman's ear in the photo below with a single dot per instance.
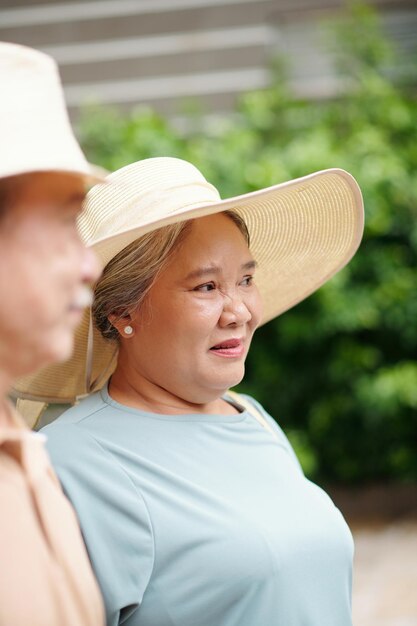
123 324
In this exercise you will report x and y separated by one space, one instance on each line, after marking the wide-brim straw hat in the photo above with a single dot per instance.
35 132
302 232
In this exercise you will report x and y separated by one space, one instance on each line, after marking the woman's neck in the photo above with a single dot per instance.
136 392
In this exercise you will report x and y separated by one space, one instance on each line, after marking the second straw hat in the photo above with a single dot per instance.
302 232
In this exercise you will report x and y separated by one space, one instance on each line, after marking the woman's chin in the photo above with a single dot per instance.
232 380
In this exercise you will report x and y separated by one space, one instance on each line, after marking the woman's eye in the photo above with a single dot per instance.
248 280
206 287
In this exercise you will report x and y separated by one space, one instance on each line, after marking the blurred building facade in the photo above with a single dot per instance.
161 52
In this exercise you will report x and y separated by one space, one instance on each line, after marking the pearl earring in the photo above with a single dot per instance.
128 330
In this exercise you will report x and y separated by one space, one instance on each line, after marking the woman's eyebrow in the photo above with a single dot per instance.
215 269
203 271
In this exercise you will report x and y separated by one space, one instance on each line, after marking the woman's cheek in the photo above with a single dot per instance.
209 309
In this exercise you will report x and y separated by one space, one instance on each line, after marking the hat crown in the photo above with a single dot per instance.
142 193
34 124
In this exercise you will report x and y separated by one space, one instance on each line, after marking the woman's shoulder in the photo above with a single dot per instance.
100 488
69 436
85 464
56 416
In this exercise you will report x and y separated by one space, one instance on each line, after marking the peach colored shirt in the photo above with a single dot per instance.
45 576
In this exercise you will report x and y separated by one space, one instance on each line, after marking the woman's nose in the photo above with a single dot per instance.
234 311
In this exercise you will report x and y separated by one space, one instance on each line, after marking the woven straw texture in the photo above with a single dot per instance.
302 232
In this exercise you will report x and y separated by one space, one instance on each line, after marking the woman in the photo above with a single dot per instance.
192 504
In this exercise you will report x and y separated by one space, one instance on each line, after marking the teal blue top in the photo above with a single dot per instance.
201 520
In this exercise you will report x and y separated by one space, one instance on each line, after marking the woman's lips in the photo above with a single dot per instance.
231 348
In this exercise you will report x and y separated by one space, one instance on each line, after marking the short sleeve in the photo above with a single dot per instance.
283 439
113 517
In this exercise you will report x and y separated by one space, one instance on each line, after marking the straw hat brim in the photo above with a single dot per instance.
302 232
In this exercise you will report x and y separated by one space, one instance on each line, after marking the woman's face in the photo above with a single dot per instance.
43 272
193 331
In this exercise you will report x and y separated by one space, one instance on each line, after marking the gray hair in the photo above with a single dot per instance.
129 276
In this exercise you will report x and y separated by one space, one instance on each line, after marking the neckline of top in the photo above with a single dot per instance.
185 417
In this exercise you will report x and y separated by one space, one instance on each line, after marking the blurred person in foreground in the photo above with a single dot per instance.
192 503
45 575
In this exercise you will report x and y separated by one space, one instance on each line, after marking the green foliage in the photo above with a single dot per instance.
339 371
